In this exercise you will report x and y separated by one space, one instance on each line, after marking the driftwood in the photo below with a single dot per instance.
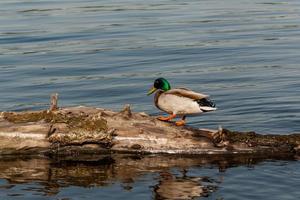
87 130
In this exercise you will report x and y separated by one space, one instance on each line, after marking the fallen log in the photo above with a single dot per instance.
88 130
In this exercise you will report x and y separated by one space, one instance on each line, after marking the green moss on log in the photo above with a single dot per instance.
80 128
253 139
74 121
82 137
25 117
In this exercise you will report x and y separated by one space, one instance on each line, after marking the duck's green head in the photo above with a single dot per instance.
160 83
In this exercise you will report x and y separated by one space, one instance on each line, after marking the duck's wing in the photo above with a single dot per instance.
184 92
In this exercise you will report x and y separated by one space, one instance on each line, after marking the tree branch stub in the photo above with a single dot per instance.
54 102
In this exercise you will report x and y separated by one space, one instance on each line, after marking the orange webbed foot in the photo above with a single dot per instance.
180 123
162 118
166 118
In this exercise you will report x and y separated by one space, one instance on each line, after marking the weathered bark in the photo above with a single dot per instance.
86 130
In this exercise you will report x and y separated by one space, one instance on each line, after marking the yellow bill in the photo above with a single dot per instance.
153 89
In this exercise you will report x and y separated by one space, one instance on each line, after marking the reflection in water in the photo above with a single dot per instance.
49 176
186 187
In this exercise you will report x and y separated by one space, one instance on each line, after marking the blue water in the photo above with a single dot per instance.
150 177
244 53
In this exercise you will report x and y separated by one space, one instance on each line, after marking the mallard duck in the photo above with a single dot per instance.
179 101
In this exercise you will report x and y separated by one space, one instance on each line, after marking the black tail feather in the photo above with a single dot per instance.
206 102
